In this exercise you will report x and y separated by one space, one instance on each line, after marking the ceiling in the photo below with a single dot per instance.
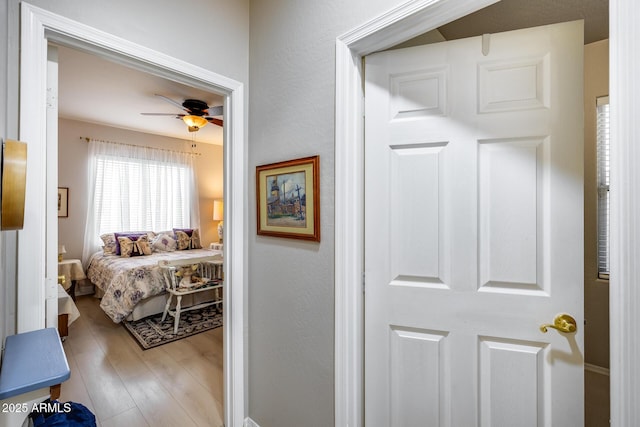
96 90
515 14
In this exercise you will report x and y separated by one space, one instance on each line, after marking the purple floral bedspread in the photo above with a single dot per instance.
127 281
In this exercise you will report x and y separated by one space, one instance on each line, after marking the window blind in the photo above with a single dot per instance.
602 114
141 195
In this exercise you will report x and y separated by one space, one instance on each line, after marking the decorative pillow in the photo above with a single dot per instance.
164 243
195 240
189 231
183 240
187 238
129 234
134 246
110 244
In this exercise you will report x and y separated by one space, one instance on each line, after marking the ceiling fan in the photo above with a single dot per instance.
198 113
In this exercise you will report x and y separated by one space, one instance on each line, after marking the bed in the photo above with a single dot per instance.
135 287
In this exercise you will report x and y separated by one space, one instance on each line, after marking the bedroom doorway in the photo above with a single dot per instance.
36 266
94 95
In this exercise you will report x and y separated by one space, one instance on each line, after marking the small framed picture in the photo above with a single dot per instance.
63 202
288 199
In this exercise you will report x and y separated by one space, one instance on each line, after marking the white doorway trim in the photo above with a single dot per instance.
38 28
409 20
624 289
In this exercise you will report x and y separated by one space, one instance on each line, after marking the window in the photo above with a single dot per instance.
141 195
602 112
138 189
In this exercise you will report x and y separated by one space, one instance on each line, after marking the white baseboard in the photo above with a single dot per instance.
248 422
596 369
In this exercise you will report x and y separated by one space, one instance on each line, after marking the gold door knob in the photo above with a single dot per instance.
563 323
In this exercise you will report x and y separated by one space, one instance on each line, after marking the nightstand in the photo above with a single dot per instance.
67 312
72 271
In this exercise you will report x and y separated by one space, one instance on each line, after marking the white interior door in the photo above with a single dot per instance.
474 231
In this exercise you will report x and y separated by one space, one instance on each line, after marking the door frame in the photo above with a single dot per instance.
400 24
38 28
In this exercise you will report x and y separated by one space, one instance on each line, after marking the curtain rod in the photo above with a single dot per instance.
87 139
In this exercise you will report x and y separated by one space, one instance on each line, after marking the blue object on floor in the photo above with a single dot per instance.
65 414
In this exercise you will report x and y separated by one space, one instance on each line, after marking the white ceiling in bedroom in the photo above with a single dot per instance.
95 90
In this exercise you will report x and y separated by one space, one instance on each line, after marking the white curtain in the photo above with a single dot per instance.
134 188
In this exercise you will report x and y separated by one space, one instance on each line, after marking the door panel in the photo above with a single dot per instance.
473 231
502 399
418 369
417 241
510 236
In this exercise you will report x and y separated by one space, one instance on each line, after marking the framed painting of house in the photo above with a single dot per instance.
288 199
63 202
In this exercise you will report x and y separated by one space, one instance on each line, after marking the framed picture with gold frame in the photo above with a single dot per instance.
288 199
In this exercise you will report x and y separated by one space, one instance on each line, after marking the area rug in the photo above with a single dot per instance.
151 332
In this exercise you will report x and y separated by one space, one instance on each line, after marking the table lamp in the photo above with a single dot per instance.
61 251
218 215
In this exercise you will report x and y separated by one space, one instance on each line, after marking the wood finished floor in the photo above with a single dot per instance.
177 384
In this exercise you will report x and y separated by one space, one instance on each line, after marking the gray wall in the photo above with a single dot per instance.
291 284
596 291
219 27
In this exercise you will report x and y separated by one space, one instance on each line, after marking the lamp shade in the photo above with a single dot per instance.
62 249
218 210
195 122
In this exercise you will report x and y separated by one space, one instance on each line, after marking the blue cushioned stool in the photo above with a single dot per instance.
32 363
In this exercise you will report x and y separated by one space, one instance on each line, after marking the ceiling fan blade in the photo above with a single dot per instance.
160 114
171 101
214 111
214 121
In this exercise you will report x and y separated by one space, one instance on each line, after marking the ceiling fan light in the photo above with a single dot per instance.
194 122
